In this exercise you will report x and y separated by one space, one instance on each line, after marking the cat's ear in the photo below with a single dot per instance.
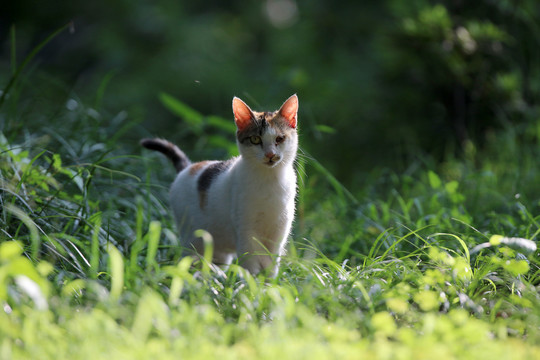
242 113
289 110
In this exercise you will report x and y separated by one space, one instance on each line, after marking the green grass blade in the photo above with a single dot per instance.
151 311
180 274
28 58
208 249
116 270
138 244
35 240
13 51
102 87
94 252
154 233
340 189
461 242
28 169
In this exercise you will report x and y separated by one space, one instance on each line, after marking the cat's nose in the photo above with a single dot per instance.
270 155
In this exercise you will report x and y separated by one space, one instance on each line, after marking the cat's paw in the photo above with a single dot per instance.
256 264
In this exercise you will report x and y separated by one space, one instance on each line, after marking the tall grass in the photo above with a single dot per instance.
416 264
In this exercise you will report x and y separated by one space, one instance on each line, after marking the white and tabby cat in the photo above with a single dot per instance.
246 203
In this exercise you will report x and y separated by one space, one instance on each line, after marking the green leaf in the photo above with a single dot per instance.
524 246
397 305
73 287
516 267
221 123
57 161
10 250
434 180
451 187
383 323
325 129
191 116
427 300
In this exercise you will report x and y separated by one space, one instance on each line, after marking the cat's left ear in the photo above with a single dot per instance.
289 110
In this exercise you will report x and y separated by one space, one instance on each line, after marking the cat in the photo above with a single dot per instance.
246 203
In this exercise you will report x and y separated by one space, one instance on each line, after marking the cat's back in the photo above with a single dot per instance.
196 183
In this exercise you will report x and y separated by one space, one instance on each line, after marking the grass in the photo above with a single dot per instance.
411 265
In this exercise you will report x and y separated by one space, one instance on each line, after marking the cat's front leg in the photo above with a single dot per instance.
254 257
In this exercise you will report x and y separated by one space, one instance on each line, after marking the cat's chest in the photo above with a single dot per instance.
270 189
267 204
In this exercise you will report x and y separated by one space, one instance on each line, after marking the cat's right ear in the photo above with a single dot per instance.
242 113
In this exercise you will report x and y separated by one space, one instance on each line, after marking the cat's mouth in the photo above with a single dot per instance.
271 159
271 163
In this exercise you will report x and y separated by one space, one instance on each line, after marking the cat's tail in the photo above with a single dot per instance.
173 152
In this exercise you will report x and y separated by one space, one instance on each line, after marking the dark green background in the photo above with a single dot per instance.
380 83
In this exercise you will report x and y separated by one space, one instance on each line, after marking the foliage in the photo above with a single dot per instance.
420 75
88 271
436 259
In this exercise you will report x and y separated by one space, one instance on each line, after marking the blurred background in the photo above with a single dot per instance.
380 84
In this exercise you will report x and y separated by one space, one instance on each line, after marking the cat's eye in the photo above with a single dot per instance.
280 139
255 140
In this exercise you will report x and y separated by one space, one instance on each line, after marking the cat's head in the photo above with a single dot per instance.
267 138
